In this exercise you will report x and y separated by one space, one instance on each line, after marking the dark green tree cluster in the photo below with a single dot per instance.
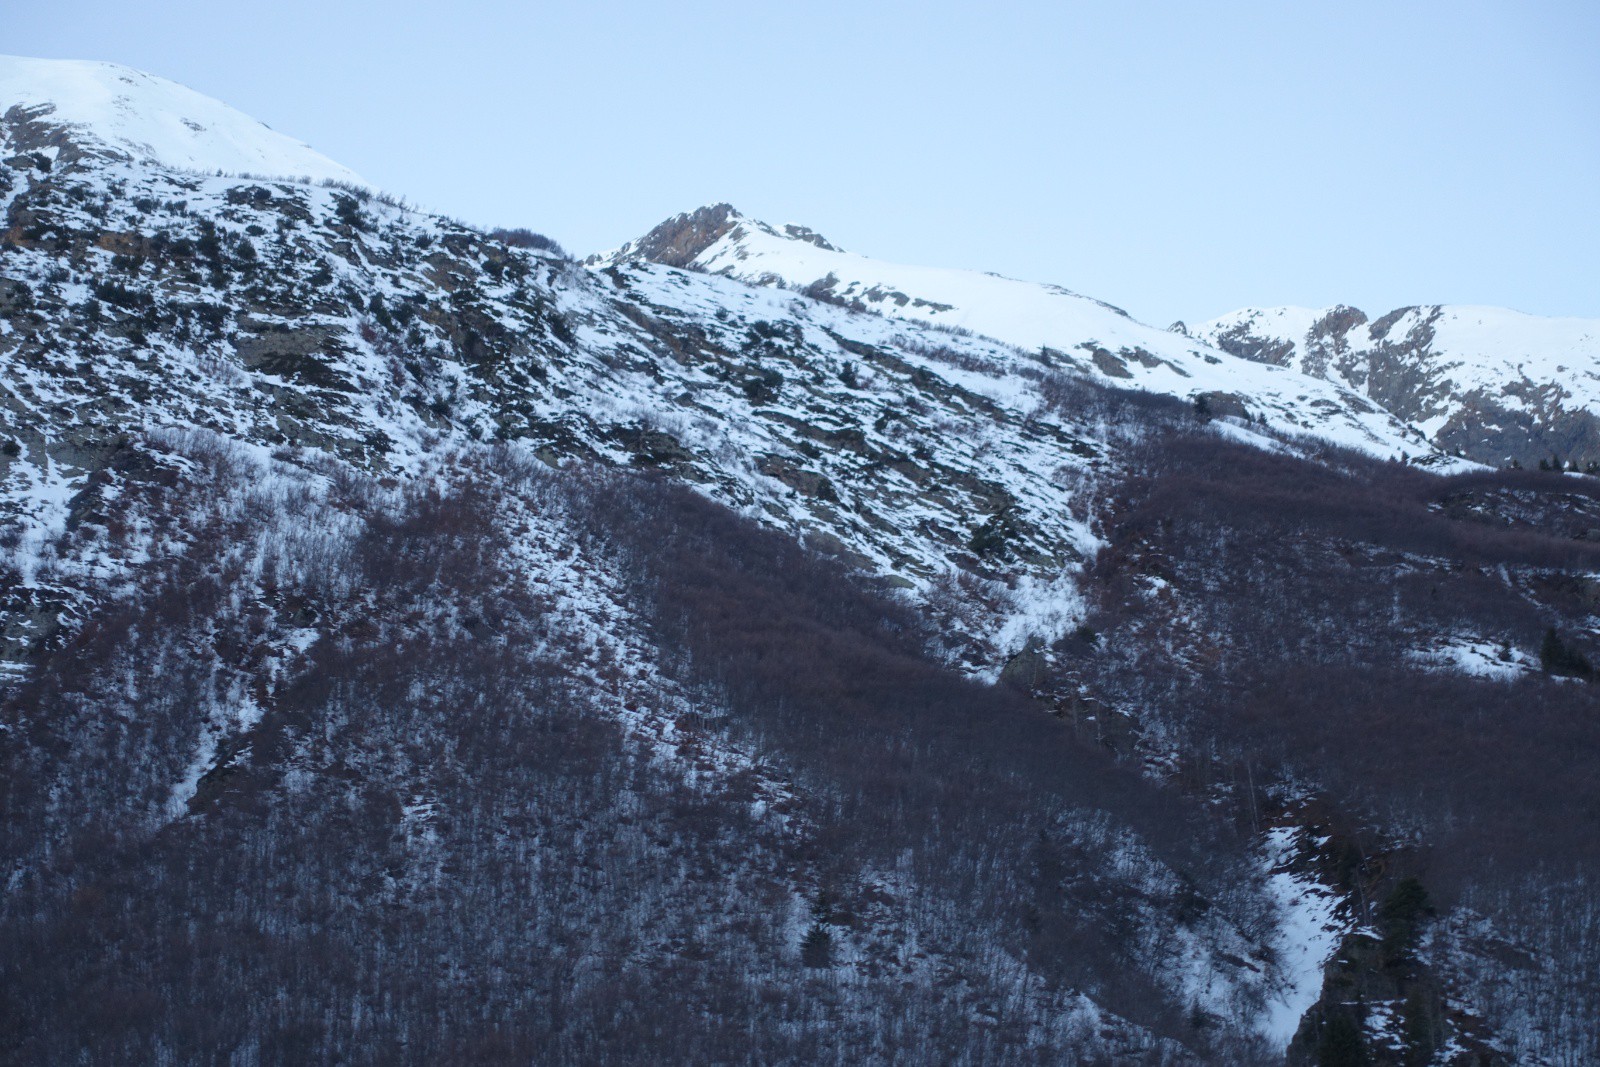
1400 917
1559 658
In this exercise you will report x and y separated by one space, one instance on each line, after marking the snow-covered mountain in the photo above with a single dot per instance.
200 373
1493 384
150 120
1087 335
459 655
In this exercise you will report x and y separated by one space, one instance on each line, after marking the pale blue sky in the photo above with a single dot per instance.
1179 160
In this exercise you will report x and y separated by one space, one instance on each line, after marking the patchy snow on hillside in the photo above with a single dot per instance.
1474 656
40 496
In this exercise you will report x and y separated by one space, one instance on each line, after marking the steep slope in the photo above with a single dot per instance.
1489 383
343 565
115 109
290 315
1087 335
287 315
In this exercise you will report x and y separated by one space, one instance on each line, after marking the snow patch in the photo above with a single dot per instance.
1309 932
1474 656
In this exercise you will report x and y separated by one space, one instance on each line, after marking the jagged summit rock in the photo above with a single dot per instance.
680 239
51 105
683 239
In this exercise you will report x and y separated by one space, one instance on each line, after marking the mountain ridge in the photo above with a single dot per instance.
1093 337
1494 384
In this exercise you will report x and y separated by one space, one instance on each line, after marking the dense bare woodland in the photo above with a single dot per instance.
436 831
418 647
1272 610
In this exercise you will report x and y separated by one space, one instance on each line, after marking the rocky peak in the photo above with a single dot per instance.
676 242
684 239
1339 320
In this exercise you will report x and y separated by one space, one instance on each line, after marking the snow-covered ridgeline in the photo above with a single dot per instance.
1460 373
1477 346
1092 336
154 120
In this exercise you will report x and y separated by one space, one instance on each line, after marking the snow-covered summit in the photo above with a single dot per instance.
154 120
1497 384
1095 337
